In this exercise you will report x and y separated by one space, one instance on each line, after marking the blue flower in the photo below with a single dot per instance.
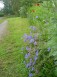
36 52
32 68
37 17
35 43
33 28
35 58
28 48
29 37
27 55
30 75
25 35
32 41
29 64
34 63
31 61
49 49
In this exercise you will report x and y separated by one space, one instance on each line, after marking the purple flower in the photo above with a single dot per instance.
31 61
30 75
34 63
29 64
28 49
32 68
33 28
36 52
27 55
35 43
49 49
35 58
37 17
25 35
32 41
29 37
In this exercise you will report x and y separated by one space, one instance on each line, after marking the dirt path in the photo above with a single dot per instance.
3 28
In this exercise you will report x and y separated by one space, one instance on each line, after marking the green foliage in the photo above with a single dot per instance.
44 17
1 14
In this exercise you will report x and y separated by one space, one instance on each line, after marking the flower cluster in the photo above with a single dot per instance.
35 56
32 51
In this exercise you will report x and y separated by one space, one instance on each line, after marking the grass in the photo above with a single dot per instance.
11 57
1 20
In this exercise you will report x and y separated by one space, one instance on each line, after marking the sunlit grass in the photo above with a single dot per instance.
11 57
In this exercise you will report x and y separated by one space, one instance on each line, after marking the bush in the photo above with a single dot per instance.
1 14
23 11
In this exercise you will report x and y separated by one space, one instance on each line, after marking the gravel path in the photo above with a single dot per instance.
3 28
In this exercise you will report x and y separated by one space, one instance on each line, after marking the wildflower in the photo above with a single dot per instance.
28 48
33 10
31 61
29 64
32 41
49 49
35 43
33 28
36 52
37 4
36 17
30 75
35 58
27 37
34 63
32 68
27 55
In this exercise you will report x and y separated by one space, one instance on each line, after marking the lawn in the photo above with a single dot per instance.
11 55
